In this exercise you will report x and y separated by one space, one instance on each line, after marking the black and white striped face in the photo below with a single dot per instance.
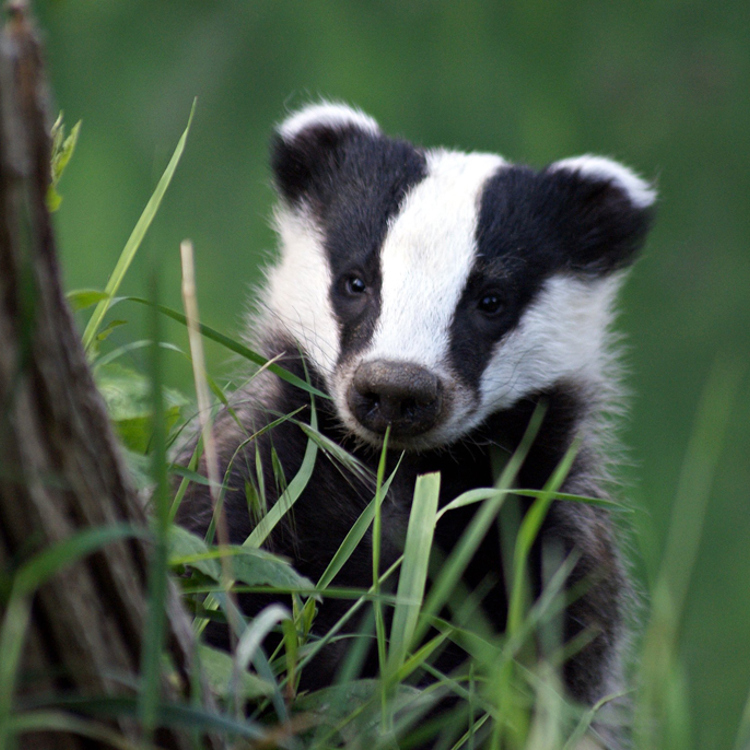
431 288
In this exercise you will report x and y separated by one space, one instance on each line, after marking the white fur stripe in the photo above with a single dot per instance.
297 290
426 258
563 334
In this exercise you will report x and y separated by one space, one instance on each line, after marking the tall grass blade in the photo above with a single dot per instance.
237 348
28 578
461 555
135 239
15 626
153 640
530 527
54 559
346 460
190 302
292 492
178 716
250 642
743 735
338 626
355 534
413 576
58 721
380 631
131 347
662 715
696 478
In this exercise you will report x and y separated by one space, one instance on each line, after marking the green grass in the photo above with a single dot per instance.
505 697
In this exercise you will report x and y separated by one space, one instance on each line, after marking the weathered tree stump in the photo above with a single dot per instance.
60 467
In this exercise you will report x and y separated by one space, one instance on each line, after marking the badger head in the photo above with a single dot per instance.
433 288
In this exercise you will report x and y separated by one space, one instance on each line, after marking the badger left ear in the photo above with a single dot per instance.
309 146
604 211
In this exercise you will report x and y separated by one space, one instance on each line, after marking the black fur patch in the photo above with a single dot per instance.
531 226
353 181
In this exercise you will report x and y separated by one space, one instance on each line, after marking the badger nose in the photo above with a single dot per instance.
400 394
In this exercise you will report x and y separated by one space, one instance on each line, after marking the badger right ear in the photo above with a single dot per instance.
307 147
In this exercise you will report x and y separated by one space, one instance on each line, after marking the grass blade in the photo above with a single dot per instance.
413 577
153 639
173 715
355 535
380 631
527 534
292 492
462 553
17 608
58 721
248 649
662 719
743 735
236 347
53 559
135 239
15 626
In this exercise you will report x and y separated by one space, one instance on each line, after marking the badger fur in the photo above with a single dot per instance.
443 294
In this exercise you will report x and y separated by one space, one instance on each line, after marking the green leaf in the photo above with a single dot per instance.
80 299
135 239
140 468
351 710
104 333
256 567
186 548
53 198
218 667
62 150
253 567
128 395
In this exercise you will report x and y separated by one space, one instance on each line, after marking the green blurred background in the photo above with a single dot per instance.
663 86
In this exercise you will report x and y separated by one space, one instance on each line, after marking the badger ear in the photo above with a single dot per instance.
307 146
604 211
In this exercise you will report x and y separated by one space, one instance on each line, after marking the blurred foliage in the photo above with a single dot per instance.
661 85
62 150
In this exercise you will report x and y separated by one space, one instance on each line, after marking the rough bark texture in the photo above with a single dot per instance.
60 468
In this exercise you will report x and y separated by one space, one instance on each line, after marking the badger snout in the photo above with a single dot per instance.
405 396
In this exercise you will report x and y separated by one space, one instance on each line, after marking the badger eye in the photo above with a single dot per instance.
490 304
355 286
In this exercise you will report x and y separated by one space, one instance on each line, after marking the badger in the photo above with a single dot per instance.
441 296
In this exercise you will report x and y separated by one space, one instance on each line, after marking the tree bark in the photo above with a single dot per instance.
60 466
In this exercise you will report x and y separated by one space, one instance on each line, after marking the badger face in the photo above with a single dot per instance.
432 288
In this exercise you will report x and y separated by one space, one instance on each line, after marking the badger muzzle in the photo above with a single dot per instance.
406 396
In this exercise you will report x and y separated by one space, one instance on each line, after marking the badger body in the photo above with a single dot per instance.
444 295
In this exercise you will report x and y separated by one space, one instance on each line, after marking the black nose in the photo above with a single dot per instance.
400 394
